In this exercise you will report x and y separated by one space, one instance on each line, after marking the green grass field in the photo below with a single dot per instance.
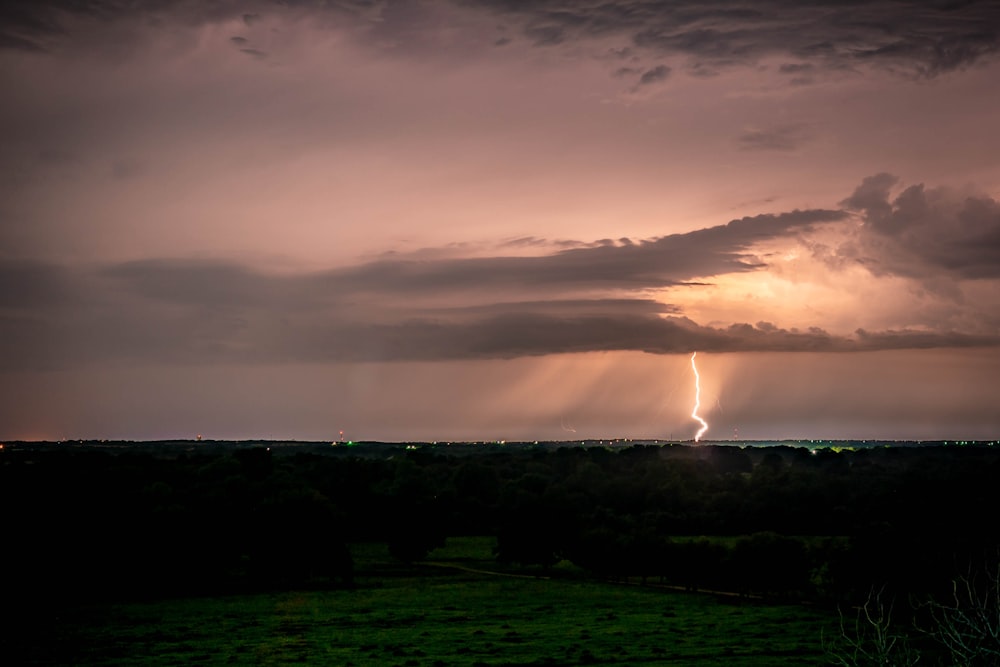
444 616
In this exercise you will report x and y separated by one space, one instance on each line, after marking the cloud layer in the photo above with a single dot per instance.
595 297
923 233
921 39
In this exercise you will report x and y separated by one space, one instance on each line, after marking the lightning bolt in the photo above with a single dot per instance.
697 400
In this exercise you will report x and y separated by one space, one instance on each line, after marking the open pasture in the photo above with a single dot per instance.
443 615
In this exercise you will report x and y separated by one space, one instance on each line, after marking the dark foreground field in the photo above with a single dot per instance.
248 553
439 615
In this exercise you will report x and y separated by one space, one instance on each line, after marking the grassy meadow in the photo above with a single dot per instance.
450 612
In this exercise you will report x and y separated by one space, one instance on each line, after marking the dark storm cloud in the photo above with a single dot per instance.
9 40
562 308
608 264
34 26
124 330
535 242
531 333
519 334
26 285
546 35
661 262
801 74
582 300
918 38
654 75
23 25
796 68
37 25
924 232
196 282
778 138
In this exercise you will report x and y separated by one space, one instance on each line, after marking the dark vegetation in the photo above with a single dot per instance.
779 523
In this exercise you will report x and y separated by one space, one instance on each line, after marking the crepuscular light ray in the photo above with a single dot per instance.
697 400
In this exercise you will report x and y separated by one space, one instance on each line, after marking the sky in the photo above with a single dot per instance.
499 220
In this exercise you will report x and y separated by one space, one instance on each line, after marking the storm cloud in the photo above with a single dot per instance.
922 39
669 260
919 38
588 298
776 138
926 232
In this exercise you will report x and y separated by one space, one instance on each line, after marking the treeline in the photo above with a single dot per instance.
776 521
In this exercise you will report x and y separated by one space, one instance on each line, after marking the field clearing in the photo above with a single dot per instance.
443 616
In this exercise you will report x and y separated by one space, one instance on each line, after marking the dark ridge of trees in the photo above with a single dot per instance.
825 525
